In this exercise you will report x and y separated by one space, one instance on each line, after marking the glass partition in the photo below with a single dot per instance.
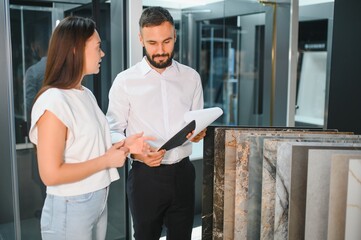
230 64
31 28
9 211
242 50
30 32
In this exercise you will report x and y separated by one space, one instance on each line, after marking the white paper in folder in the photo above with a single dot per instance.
197 120
203 118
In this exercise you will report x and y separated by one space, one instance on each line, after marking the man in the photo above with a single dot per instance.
152 96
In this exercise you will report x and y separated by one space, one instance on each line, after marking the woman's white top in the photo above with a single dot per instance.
88 135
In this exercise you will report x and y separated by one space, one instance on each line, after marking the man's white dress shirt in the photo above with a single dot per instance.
143 100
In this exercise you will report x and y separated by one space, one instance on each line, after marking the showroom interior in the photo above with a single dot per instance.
268 64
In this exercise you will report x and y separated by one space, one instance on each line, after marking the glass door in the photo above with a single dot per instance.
231 59
218 69
31 27
30 32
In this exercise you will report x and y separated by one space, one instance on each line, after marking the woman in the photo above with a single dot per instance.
76 159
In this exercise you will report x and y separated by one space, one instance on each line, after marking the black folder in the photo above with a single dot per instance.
180 137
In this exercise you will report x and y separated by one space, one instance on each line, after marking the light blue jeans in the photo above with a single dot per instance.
82 217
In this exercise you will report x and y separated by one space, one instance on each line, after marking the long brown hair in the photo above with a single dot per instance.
64 66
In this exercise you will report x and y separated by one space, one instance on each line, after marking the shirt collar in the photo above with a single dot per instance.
145 67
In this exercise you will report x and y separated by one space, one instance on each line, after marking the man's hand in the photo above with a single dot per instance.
198 137
152 158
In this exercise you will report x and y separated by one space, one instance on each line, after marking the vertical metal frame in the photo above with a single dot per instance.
126 51
135 50
7 138
292 65
328 73
117 37
277 64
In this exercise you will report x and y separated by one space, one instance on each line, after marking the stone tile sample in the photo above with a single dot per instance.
218 187
353 210
290 202
219 181
248 182
217 172
338 195
212 212
248 198
219 178
241 190
207 188
318 191
253 141
209 180
268 187
270 147
229 184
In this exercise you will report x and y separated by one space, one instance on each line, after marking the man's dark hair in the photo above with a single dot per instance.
155 16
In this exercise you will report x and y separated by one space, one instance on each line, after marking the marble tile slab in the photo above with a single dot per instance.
207 185
268 187
318 191
249 212
241 190
218 187
219 181
209 179
290 202
270 147
353 210
252 142
229 184
248 181
219 203
209 182
212 159
338 195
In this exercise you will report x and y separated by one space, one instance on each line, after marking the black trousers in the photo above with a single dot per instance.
162 195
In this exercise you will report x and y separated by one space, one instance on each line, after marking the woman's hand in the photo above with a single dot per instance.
117 155
137 143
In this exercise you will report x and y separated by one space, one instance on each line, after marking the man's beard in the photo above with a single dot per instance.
164 64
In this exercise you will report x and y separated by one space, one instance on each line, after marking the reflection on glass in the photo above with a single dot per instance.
231 66
30 33
218 68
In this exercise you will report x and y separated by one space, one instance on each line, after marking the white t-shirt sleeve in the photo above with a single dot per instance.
51 100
